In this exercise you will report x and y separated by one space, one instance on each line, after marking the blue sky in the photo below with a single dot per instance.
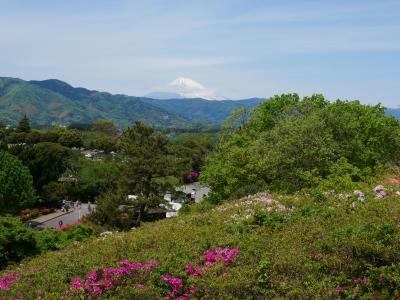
343 49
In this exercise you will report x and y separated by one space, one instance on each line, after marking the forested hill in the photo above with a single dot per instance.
53 101
200 110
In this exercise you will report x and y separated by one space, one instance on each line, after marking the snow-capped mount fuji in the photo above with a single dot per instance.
182 88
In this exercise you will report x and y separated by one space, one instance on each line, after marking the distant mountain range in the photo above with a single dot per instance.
183 88
394 112
56 102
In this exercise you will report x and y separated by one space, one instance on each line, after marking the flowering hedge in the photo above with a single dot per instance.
100 281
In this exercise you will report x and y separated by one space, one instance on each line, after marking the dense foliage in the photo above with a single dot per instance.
46 161
147 173
82 162
24 125
93 179
203 111
288 144
16 189
193 149
17 241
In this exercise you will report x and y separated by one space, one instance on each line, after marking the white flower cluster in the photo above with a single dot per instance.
380 192
262 202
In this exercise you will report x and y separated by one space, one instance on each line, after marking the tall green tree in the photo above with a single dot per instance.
16 188
3 139
105 126
95 177
24 125
147 167
71 138
46 161
192 149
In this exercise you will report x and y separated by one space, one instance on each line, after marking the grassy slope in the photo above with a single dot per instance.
307 253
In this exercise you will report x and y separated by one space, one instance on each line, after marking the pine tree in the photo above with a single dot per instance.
3 138
146 166
24 125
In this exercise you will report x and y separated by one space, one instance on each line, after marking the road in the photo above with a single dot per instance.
53 220
68 218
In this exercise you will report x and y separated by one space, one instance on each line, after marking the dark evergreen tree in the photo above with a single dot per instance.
147 167
24 125
3 138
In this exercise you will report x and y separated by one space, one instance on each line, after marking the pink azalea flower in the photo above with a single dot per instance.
193 271
7 280
96 283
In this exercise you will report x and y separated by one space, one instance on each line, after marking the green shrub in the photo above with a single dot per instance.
16 241
79 232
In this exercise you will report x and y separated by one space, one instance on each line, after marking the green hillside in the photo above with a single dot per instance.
55 102
45 104
201 110
194 110
289 247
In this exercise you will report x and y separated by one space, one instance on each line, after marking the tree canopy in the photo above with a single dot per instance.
288 144
70 138
146 166
24 125
46 161
147 169
16 189
105 126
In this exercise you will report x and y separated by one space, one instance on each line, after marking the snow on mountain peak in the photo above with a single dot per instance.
187 83
185 88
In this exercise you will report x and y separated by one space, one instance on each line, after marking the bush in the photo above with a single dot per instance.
79 232
17 138
16 241
33 137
